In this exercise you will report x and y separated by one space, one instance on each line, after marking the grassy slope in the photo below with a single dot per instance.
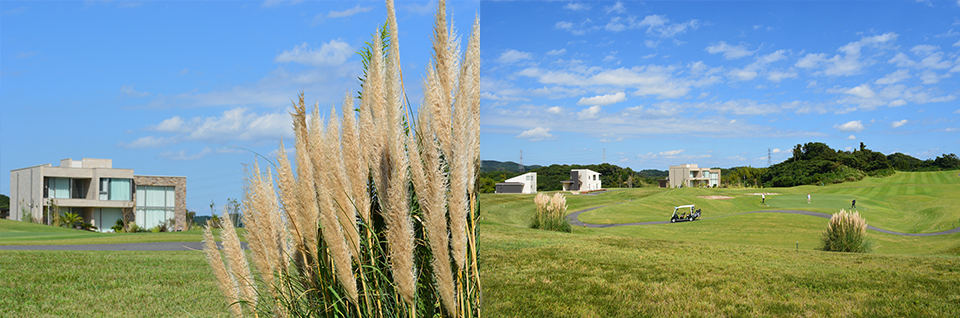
21 233
913 202
107 284
621 272
589 273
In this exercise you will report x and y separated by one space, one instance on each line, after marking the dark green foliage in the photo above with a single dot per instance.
815 163
509 166
4 202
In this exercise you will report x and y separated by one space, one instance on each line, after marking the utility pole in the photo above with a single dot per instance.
768 157
521 160
604 155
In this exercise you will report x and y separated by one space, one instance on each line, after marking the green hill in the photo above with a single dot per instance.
736 265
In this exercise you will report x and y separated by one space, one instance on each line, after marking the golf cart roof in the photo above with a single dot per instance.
684 206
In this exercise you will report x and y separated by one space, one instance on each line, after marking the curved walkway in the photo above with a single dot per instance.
162 246
573 219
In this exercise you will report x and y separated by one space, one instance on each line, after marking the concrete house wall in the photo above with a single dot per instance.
691 175
582 180
524 183
29 191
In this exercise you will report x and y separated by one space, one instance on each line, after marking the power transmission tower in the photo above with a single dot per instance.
521 160
604 155
768 157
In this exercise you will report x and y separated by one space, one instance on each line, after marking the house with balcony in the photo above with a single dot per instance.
582 180
690 175
99 193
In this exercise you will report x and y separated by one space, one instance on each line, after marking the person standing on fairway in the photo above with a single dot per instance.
763 198
854 205
808 198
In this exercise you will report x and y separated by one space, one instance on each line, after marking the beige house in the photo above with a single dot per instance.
582 180
689 175
97 192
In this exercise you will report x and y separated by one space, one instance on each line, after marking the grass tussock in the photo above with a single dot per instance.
551 212
376 216
846 232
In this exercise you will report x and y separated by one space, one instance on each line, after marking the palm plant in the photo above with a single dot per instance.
377 214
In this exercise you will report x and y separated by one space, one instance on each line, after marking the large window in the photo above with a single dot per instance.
115 189
155 205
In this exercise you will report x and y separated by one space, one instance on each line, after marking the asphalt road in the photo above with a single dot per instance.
573 219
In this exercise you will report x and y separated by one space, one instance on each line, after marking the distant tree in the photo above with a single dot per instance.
4 202
947 162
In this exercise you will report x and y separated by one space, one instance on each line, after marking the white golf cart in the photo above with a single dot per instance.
685 213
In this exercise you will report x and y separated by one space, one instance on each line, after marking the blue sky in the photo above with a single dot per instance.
717 83
170 87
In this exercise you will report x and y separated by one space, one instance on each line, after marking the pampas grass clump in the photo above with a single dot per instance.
376 215
551 213
846 232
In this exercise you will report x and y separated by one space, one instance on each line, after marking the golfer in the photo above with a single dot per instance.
854 205
808 198
763 198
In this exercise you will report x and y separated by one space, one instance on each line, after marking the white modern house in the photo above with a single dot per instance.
690 175
524 183
582 180
99 193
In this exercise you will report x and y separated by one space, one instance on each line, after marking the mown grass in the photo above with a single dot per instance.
107 284
22 233
746 265
542 274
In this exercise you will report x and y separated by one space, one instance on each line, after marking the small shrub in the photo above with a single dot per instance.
156 229
118 227
846 232
550 213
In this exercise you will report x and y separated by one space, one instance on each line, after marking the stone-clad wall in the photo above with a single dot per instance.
180 193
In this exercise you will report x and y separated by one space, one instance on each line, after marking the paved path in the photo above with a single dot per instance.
573 219
164 246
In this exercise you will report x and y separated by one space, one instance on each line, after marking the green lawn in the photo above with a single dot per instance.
107 284
22 233
745 265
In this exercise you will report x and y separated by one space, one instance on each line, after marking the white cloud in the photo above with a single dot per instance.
898 123
564 25
576 6
617 7
957 44
894 77
129 91
848 62
148 142
672 152
348 12
536 134
234 124
730 52
334 52
182 154
931 77
851 137
555 110
850 126
513 56
659 25
647 80
862 91
603 100
557 52
651 43
776 150
777 76
591 112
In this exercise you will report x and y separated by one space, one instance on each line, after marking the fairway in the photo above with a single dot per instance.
895 203
760 264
